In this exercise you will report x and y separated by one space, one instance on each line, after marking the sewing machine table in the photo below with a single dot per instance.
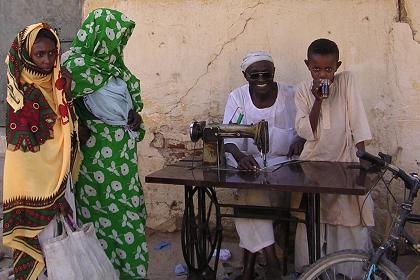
202 231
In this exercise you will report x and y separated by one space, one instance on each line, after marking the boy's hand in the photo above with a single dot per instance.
316 90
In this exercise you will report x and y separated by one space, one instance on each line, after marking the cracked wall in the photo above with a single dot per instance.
187 55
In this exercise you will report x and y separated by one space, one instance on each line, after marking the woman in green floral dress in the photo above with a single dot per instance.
108 191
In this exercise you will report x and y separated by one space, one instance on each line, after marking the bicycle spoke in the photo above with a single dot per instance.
328 275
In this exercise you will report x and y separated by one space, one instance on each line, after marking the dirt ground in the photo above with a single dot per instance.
163 262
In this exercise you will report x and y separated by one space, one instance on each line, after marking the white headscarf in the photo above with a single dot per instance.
253 57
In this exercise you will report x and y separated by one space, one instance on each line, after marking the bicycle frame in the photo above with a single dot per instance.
398 230
375 264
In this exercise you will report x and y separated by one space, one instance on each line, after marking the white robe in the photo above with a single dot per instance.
342 124
257 234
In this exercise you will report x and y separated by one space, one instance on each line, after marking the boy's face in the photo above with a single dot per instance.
323 66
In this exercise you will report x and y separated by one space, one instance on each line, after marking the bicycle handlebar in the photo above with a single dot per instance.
408 179
371 158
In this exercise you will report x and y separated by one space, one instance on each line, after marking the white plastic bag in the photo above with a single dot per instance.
77 255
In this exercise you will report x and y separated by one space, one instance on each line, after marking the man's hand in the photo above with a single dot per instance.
248 163
245 162
134 120
296 147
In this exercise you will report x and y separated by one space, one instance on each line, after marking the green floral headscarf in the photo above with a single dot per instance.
96 54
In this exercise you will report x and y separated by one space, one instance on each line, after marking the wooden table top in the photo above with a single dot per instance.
307 176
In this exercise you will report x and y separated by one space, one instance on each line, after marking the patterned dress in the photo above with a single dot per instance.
109 194
41 150
108 191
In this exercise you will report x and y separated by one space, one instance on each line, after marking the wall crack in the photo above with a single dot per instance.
229 41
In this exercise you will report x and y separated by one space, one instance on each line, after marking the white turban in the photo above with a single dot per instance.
253 57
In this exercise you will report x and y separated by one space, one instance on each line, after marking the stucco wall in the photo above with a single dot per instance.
187 54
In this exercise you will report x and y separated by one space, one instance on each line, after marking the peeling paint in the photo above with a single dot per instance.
403 16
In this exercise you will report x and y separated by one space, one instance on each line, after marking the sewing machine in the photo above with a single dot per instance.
214 134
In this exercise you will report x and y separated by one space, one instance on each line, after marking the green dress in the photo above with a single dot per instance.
109 194
108 191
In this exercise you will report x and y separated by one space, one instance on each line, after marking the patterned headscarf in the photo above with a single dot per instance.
96 54
32 95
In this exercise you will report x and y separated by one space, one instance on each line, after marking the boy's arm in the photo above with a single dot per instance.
316 107
304 106
359 124
314 114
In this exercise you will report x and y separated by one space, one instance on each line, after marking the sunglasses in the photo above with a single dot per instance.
257 75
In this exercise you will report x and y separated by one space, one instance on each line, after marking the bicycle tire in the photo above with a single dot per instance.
385 269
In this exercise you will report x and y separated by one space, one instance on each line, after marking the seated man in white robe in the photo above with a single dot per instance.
261 99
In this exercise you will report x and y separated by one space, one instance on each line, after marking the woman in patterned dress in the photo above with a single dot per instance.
108 190
41 148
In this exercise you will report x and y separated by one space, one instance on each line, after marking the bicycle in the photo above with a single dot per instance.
358 264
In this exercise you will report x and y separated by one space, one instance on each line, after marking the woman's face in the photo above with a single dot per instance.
44 54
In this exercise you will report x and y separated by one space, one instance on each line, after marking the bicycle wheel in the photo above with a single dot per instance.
351 265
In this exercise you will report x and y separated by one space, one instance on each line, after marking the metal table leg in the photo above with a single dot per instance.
318 226
202 233
313 227
310 227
